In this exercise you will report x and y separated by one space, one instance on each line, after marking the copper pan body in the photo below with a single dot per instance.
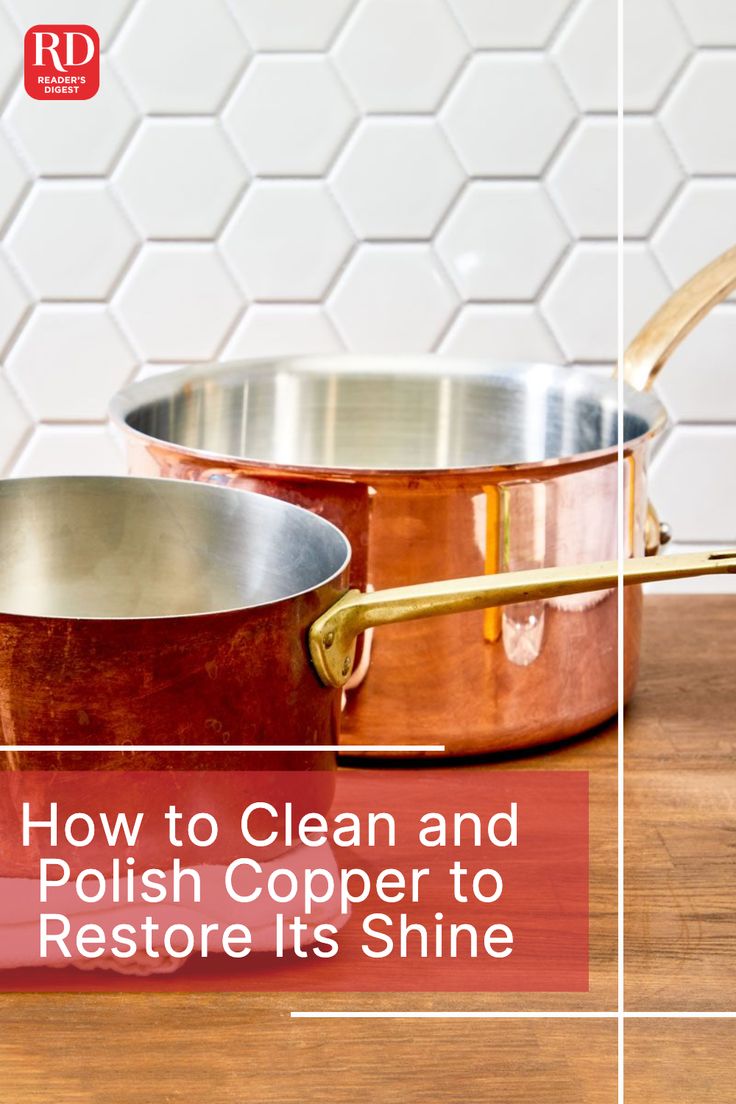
139 612
491 681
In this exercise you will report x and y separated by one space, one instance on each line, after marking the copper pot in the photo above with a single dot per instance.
439 468
144 612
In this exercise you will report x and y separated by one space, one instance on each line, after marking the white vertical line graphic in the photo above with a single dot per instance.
620 528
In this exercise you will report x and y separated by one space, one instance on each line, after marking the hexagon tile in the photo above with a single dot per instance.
273 177
688 458
699 97
180 177
14 179
585 53
281 329
71 450
74 139
655 47
291 24
400 55
583 179
14 301
178 302
506 114
59 343
491 24
510 333
689 392
645 287
699 225
10 58
396 178
180 58
15 424
580 303
708 22
105 18
501 241
287 240
652 175
71 240
392 299
289 115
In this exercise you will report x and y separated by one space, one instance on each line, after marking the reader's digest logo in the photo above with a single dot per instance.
61 61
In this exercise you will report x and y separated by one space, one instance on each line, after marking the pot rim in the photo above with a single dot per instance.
273 503
166 384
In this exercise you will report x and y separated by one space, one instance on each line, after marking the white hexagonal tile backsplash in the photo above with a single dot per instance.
75 139
392 299
501 241
104 17
397 177
274 177
289 115
586 56
287 25
180 177
583 178
493 24
60 342
507 113
71 239
177 301
709 22
702 93
287 240
14 179
180 56
400 55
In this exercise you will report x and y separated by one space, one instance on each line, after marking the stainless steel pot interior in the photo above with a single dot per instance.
408 413
99 547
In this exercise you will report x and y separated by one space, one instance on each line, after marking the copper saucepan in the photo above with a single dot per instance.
156 612
438 468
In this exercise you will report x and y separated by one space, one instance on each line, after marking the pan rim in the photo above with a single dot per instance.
163 385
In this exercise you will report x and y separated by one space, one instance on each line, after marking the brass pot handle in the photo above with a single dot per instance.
660 336
332 636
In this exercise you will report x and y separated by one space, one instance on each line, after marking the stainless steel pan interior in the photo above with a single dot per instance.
370 414
96 547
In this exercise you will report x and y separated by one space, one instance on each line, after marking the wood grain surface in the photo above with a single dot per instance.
680 900
680 810
680 1061
231 1049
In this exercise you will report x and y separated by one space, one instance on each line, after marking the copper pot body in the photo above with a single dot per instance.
489 681
113 642
239 678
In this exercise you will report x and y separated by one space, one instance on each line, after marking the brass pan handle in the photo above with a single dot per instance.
660 336
332 636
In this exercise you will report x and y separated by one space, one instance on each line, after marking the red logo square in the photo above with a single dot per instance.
61 61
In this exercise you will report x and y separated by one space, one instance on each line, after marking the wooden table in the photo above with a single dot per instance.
681 872
680 811
680 1061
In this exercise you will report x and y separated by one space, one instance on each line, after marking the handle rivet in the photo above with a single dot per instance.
329 639
346 666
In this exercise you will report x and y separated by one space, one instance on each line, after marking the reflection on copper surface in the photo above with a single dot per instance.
450 679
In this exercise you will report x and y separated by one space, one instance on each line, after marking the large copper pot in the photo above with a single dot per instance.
439 468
